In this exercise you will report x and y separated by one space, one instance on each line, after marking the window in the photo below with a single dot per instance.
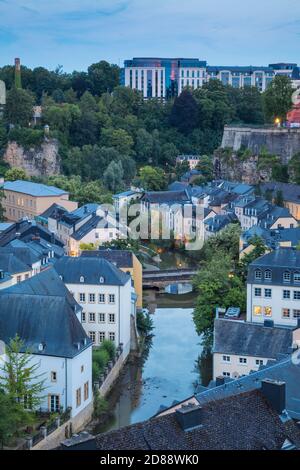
54 403
101 317
19 279
268 293
226 358
92 336
83 317
112 335
259 362
81 297
226 374
111 318
82 369
286 294
268 311
257 292
101 298
286 276
297 278
296 313
92 298
258 274
268 274
92 317
78 397
86 391
101 280
296 294
112 298
81 279
257 310
286 313
26 277
243 360
101 336
53 376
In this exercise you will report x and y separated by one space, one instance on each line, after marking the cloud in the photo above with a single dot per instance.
77 33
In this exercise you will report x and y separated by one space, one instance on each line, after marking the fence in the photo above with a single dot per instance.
46 430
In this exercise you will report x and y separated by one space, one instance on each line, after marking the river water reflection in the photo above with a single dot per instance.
170 371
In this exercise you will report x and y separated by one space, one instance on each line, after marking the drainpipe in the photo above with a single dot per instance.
119 316
66 384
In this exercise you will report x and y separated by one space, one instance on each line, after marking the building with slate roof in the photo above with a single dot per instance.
46 317
28 199
249 420
273 288
26 231
273 239
290 194
240 347
127 262
106 296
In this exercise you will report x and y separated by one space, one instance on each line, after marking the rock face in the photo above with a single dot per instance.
284 143
40 161
237 170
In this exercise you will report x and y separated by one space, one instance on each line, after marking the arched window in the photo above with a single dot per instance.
297 277
101 280
81 278
286 276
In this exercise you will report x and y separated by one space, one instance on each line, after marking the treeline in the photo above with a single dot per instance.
107 132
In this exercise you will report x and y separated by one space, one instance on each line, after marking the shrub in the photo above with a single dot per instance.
101 358
110 348
100 404
95 371
26 137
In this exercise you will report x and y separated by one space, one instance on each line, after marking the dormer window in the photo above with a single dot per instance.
101 280
297 277
81 279
258 274
287 276
268 275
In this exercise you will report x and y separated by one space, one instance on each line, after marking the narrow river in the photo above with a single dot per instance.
171 370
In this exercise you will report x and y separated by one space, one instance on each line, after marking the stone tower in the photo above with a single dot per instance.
18 81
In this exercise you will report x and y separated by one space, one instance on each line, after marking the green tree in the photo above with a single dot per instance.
19 106
12 418
118 139
205 165
294 168
103 77
19 376
249 107
279 201
152 179
184 114
113 176
278 98
259 249
14 174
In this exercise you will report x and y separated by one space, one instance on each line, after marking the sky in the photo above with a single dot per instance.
77 33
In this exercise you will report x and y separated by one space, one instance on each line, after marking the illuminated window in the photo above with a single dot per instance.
268 311
286 313
257 310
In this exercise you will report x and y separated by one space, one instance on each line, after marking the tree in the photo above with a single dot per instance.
14 174
250 106
184 114
278 200
19 376
152 179
12 417
103 77
294 168
278 98
113 176
118 139
259 249
19 105
205 165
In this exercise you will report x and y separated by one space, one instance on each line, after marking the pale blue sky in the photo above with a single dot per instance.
76 33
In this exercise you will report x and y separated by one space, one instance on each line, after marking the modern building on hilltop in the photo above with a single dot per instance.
166 77
45 316
27 199
273 288
106 296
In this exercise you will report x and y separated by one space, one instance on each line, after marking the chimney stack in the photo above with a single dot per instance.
275 393
189 416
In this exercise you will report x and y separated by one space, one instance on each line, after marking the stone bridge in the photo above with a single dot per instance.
161 279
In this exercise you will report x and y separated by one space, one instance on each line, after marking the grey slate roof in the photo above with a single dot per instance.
286 370
10 264
91 268
290 192
27 231
42 311
166 197
95 221
54 212
120 258
23 253
243 422
249 339
33 189
278 261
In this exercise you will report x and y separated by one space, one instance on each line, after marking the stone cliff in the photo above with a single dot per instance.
239 156
36 161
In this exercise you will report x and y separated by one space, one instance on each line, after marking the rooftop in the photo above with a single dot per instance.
250 339
91 269
166 197
42 312
120 258
33 189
